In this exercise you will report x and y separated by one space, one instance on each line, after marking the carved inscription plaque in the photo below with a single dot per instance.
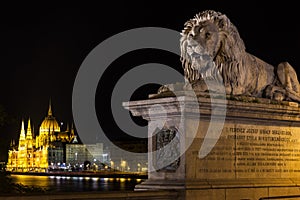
247 151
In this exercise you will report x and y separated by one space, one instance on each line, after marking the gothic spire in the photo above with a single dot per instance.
29 133
22 134
68 129
50 109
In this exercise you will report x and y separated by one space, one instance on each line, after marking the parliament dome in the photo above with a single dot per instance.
50 123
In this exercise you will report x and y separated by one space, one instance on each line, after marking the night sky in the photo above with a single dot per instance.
43 47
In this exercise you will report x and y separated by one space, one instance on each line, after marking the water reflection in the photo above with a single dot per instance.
66 184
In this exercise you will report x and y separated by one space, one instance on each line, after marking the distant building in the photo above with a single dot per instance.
53 149
97 156
42 152
86 156
124 161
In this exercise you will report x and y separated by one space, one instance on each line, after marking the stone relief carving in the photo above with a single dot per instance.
167 159
213 53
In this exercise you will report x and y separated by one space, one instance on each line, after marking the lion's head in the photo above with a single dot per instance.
209 42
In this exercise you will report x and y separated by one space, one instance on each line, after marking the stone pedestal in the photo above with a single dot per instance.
221 149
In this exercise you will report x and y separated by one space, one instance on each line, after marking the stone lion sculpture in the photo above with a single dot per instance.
213 52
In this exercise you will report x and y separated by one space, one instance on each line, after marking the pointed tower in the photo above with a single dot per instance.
48 128
29 142
72 129
12 146
72 134
50 109
22 142
49 125
29 136
22 154
29 133
68 129
12 157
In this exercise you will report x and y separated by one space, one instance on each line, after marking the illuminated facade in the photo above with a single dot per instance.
40 152
124 161
91 154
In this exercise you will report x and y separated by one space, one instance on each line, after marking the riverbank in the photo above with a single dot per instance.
101 174
116 195
59 184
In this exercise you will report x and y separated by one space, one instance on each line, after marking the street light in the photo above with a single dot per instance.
123 165
139 167
112 165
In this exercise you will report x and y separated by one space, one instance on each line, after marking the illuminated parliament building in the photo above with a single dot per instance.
53 149
38 153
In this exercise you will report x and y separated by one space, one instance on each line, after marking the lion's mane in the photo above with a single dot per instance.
230 59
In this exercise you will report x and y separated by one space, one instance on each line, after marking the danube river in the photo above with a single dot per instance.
67 184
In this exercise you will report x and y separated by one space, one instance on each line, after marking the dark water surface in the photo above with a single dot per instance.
78 184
